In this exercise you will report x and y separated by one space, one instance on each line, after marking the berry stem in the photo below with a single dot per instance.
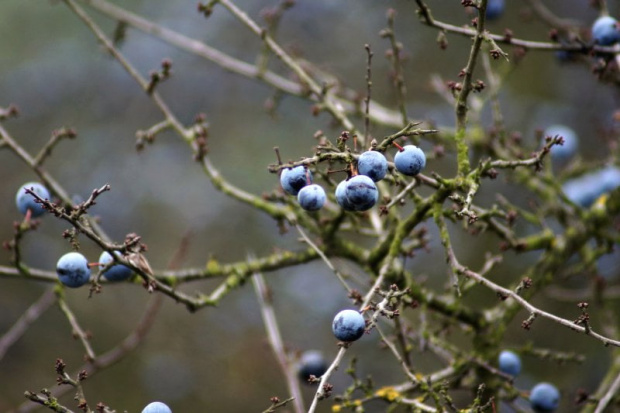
400 148
277 150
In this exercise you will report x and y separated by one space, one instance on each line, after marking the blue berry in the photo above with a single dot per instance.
610 178
495 8
372 164
116 272
312 197
509 363
410 160
341 196
583 190
586 189
292 180
571 142
311 363
361 192
348 325
73 270
26 201
544 397
157 407
566 56
605 31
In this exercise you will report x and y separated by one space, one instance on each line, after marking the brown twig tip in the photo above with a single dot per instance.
60 366
205 9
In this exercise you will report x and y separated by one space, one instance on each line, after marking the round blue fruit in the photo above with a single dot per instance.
509 363
312 363
495 8
117 272
610 178
544 397
292 180
25 201
372 164
341 196
348 325
73 270
157 407
605 31
311 197
583 190
361 193
586 189
410 160
570 145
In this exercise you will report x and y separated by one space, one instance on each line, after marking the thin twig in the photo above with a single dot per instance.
32 314
275 340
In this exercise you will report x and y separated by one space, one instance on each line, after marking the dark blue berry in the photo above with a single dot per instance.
361 192
312 363
372 164
311 197
116 272
348 325
292 180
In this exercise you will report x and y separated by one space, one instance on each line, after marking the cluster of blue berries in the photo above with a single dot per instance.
26 202
544 397
586 189
358 192
298 181
73 269
311 363
156 407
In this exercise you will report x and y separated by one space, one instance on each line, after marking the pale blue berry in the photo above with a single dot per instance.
544 397
292 180
311 197
509 363
410 160
157 407
570 145
73 270
372 164
25 201
586 189
605 31
610 178
348 325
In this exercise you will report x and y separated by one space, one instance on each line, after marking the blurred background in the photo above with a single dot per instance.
218 359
